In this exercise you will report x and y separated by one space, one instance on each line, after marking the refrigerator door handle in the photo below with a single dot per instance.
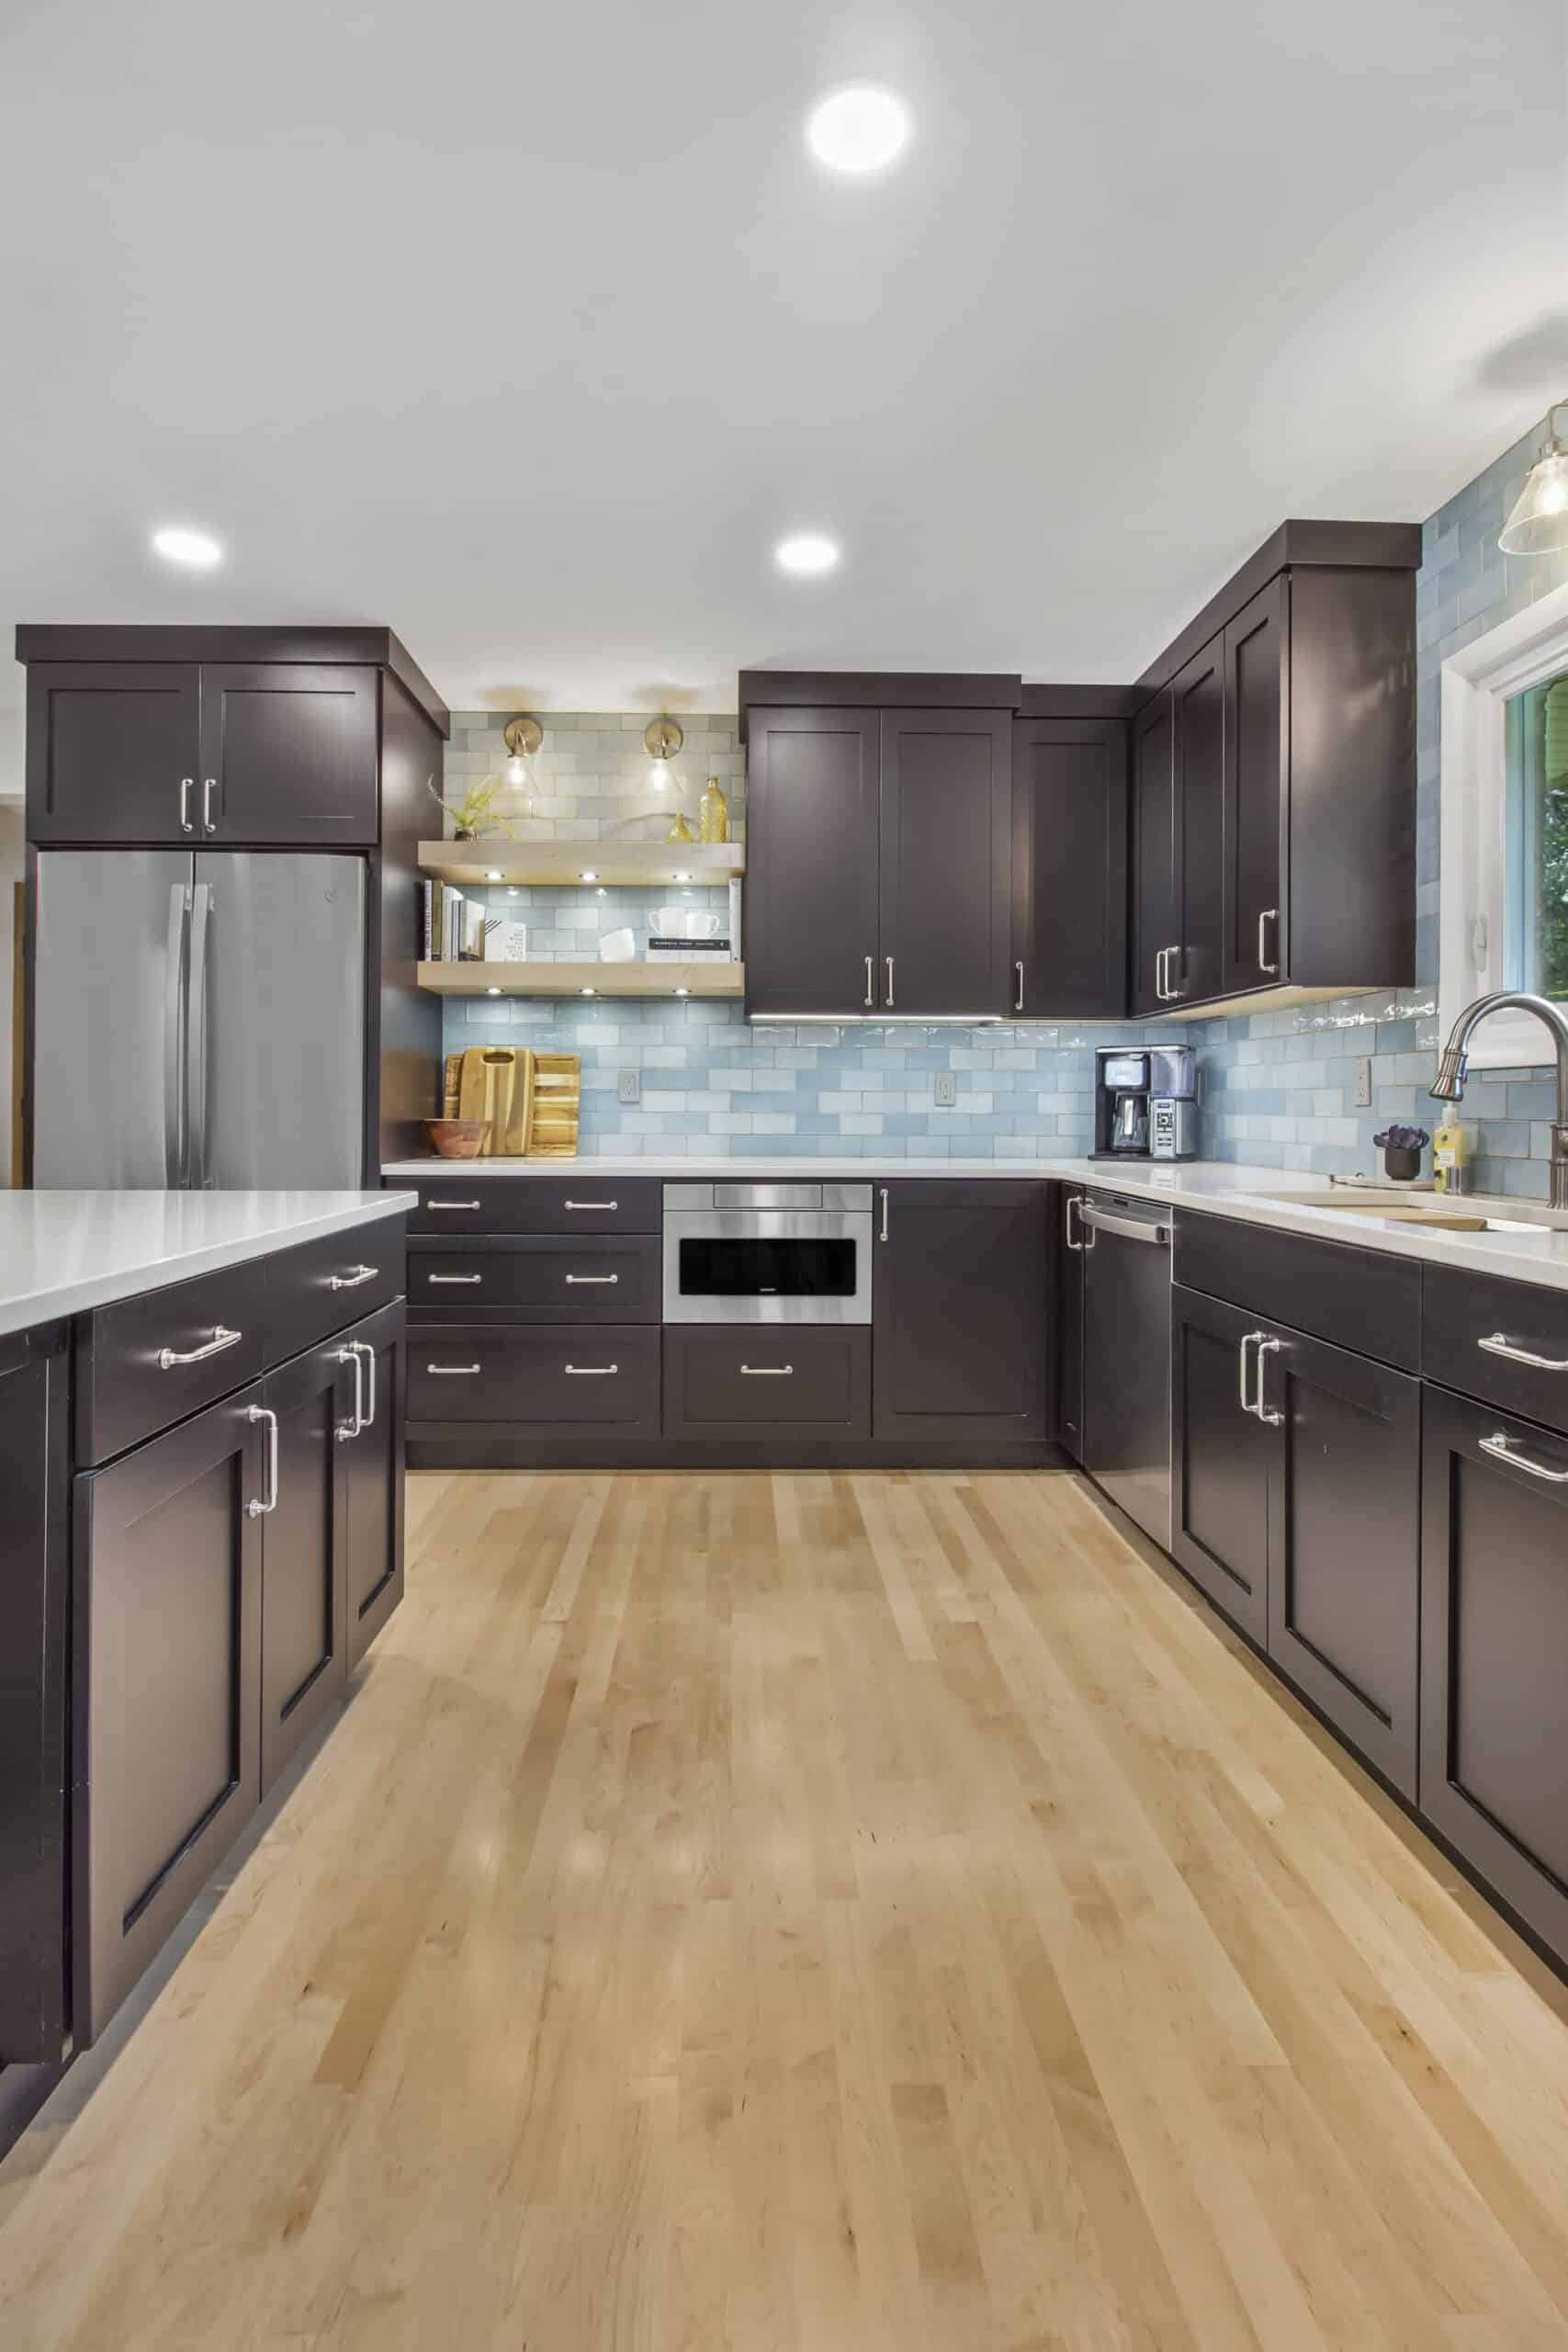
174 1040
196 1033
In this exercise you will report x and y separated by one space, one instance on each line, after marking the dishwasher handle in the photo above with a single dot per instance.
1128 1228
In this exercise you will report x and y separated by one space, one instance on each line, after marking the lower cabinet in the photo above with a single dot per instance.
1069 1411
1297 1468
167 1686
961 1302
372 1476
805 1381
567 1382
1494 1653
304 1655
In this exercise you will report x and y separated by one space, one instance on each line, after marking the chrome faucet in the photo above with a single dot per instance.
1449 1084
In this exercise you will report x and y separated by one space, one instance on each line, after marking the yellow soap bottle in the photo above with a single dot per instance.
1450 1147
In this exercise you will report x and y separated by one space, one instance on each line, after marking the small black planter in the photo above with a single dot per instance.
1401 1165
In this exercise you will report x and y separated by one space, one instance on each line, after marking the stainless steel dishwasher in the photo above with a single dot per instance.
1126 1353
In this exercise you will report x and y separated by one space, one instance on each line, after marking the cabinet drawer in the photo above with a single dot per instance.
543 1278
569 1381
1354 1298
581 1202
324 1285
723 1382
146 1363
1468 1319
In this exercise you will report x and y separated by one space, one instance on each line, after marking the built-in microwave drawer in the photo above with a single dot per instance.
1506 1343
145 1362
578 1202
569 1382
538 1278
802 1382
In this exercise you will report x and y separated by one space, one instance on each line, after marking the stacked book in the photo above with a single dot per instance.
689 951
453 927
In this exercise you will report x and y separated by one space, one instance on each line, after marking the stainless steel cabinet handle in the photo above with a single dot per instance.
883 1189
222 1338
186 782
453 1278
1264 1412
466 1204
209 786
363 1348
1269 915
591 1371
768 1371
269 1500
353 1278
1161 992
1498 1344
889 963
870 988
586 1278
1247 1338
1074 1201
349 1353
453 1371
586 1205
1173 987
1018 1000
1129 1228
1502 1446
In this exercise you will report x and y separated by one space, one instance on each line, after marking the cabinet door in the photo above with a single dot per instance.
1256 656
1344 1572
167 1683
960 1311
1154 854
946 904
288 754
1494 1653
304 1660
1198 704
34 1501
112 751
1068 1428
372 1472
1069 868
1221 1457
810 940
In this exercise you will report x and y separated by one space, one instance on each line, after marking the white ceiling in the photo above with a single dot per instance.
528 331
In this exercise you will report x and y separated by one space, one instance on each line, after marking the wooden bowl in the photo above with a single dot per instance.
457 1139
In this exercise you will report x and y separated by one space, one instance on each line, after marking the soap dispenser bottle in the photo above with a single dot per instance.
1450 1152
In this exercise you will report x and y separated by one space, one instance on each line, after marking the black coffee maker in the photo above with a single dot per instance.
1145 1102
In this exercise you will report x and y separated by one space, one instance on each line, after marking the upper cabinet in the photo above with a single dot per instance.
945 927
1156 926
288 752
114 750
1069 868
811 921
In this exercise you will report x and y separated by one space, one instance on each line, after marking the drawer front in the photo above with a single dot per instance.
571 1381
581 1202
323 1286
544 1277
723 1381
1354 1298
1475 1329
147 1362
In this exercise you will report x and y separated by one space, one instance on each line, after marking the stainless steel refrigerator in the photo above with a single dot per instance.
198 1020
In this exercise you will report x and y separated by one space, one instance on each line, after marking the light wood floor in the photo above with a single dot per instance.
810 1914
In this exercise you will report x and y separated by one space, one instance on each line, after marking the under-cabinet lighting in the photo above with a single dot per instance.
680 876
587 991
492 992
589 874
492 874
682 991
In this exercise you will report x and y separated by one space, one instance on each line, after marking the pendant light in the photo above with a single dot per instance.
1538 524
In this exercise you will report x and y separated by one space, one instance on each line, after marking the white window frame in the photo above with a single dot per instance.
1522 652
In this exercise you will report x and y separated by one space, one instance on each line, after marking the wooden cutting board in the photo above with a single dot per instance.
497 1084
556 1106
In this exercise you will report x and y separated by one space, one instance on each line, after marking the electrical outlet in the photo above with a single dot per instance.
1361 1095
946 1090
628 1087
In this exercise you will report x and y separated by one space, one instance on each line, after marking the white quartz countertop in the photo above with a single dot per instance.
1534 1252
64 1252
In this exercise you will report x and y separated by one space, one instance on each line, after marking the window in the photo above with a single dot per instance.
1504 873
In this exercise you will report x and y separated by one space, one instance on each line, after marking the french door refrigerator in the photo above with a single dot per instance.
198 1020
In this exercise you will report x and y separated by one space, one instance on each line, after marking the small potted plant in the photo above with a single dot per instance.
1402 1149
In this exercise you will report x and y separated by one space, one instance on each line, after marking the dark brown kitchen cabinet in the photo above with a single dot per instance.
1068 1428
1493 1653
1069 868
288 754
1197 761
34 1590
1256 657
945 928
304 1649
1220 1458
776 1379
812 820
114 751
961 1309
167 1619
1153 851
372 1478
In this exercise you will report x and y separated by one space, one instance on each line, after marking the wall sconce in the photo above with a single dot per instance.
662 738
1538 524
522 737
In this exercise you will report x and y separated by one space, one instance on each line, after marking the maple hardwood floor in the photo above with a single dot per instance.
814 1914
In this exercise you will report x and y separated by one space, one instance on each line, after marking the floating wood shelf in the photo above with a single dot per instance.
618 865
541 978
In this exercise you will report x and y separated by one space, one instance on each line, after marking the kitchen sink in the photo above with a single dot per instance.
1435 1212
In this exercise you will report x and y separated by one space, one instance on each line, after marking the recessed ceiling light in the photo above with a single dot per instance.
858 130
197 550
806 552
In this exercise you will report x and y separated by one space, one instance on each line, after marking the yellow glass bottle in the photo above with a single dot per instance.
715 810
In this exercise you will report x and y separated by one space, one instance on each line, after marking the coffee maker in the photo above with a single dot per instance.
1145 1102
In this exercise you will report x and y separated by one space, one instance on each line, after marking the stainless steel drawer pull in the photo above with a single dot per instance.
883 1189
768 1371
593 1204
1269 915
363 1348
888 961
458 1204
349 1353
453 1278
587 1278
222 1338
453 1371
591 1371
870 991
1499 1344
1503 1449
186 784
269 1501
209 786
1018 1000
354 1279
